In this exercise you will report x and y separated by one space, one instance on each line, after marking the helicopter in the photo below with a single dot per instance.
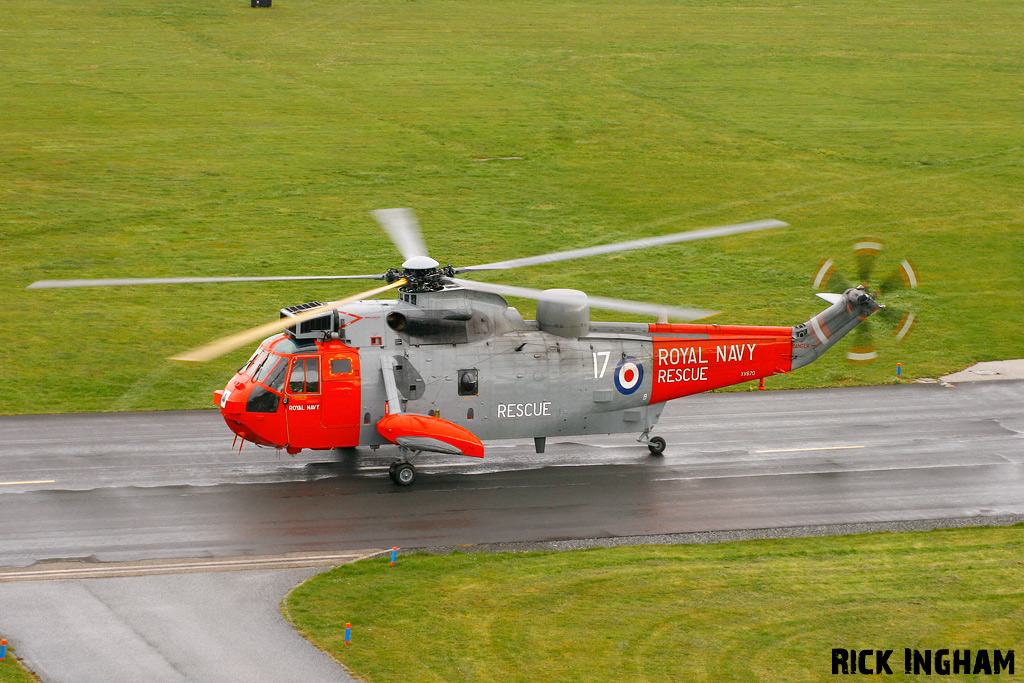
449 363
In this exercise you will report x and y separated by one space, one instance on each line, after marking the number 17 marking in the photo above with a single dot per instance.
599 373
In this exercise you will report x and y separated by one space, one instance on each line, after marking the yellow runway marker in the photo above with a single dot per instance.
823 448
17 483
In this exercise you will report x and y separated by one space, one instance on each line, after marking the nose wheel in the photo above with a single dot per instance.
402 473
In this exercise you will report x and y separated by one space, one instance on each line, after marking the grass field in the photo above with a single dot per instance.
142 138
11 671
146 139
741 611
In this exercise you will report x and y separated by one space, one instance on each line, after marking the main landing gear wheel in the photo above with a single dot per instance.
402 473
657 446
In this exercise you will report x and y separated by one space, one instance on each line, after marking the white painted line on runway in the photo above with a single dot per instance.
802 450
782 412
183 567
20 483
871 470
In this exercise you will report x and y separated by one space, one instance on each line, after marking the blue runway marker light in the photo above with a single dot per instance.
394 556
3 649
348 634
899 368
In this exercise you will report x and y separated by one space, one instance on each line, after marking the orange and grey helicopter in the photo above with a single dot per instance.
449 363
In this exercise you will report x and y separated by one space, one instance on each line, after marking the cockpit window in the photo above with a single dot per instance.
254 362
262 370
270 369
276 379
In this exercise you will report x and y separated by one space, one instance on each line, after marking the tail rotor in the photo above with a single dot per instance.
897 314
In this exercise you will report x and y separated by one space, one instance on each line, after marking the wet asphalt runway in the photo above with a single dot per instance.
144 486
157 485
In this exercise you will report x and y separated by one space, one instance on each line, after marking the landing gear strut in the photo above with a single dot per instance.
656 445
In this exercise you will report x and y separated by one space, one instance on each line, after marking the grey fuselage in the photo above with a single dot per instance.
529 382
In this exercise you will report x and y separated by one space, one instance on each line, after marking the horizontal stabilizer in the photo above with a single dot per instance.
831 298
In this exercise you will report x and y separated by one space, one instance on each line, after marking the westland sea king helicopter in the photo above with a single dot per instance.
449 363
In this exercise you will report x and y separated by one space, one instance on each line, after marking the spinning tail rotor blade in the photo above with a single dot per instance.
862 350
594 301
905 275
404 230
235 341
626 246
117 282
827 276
901 320
867 251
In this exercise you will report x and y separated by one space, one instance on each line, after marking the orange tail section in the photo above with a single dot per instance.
689 359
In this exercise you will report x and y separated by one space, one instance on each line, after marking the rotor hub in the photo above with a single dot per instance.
420 263
422 274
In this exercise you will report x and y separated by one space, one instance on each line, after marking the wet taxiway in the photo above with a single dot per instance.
146 486
167 484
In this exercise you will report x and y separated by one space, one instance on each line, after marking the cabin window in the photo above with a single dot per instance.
468 382
305 376
341 366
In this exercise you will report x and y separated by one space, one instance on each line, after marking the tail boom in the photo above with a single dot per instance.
816 336
689 359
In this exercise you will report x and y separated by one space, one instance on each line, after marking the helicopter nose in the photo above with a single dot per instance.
233 403
231 399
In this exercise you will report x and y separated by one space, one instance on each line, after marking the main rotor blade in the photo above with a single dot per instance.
594 301
626 246
112 282
234 341
404 230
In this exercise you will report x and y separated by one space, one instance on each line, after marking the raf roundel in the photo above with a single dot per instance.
629 375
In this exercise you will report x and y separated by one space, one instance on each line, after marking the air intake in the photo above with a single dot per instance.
313 328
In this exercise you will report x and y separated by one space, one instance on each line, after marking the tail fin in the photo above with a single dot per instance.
816 336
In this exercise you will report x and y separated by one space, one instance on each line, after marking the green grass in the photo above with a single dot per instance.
142 138
11 670
740 611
